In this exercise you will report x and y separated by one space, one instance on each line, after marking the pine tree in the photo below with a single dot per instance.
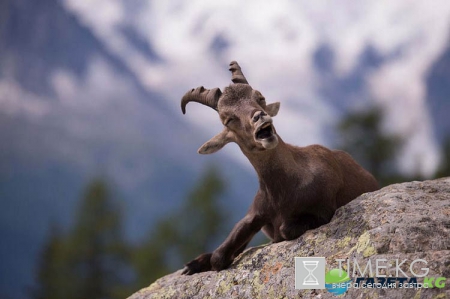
54 273
91 261
361 135
98 251
185 233
444 168
201 217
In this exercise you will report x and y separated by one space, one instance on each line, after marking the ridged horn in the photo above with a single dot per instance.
236 74
207 97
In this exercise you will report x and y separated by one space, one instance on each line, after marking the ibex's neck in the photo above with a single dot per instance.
274 163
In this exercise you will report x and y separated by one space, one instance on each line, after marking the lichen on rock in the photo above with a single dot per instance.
405 221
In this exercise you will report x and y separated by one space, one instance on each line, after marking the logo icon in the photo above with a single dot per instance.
310 273
336 281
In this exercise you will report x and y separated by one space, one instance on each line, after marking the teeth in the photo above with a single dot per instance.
265 126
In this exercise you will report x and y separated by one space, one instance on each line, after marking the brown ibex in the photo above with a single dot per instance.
300 188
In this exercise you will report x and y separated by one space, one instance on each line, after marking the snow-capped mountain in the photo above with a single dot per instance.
318 59
94 89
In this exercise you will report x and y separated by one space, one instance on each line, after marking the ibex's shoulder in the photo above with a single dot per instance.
314 155
314 149
317 149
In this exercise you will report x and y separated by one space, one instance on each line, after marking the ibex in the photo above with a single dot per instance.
300 188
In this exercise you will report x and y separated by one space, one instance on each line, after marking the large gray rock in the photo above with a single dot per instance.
403 221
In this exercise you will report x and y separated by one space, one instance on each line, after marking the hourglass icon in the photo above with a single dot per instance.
310 279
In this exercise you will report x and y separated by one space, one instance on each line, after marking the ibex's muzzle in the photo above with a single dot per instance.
263 123
264 131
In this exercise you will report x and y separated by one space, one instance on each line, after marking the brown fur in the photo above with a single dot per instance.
300 188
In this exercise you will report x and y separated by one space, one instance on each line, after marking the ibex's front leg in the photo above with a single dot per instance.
235 243
201 264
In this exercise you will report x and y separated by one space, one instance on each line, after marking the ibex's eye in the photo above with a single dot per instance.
228 121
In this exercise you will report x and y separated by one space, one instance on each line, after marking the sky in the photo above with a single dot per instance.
275 44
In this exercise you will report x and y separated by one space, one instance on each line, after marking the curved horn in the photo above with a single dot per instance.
207 97
236 74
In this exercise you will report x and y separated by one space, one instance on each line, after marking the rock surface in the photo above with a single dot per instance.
402 221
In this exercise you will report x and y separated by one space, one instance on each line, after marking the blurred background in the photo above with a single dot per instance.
101 188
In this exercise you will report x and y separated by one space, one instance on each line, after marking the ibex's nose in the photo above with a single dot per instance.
258 115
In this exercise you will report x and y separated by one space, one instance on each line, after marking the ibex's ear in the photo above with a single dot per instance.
216 143
272 109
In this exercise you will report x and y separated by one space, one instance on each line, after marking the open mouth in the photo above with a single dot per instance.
264 131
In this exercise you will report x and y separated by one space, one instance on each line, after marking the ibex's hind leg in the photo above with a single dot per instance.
292 229
272 233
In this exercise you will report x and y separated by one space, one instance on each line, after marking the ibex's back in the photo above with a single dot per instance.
299 187
357 180
340 169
